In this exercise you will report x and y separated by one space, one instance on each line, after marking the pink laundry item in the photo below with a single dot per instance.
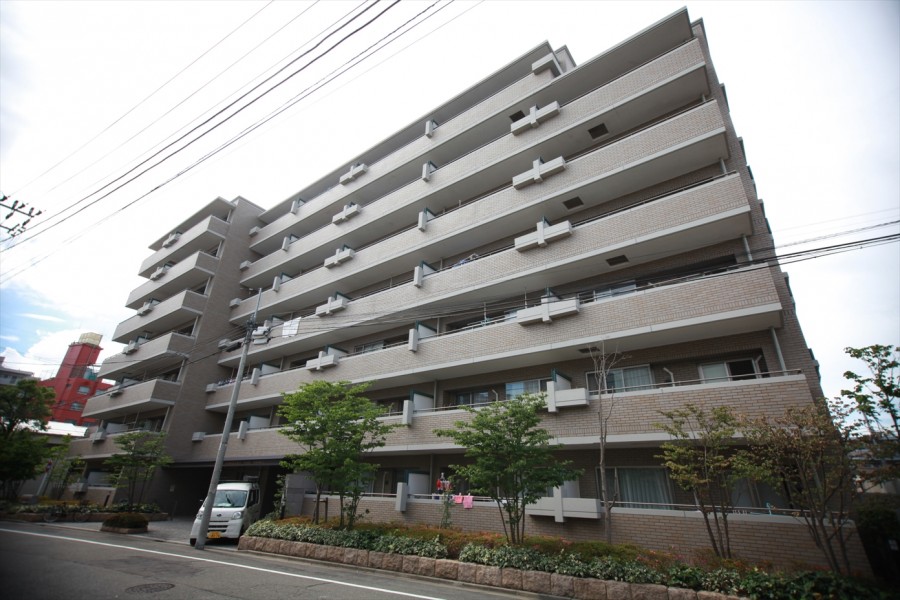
458 499
468 501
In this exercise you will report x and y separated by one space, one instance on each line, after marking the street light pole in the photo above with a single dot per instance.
226 432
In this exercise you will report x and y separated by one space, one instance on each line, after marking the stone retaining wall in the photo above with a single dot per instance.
538 582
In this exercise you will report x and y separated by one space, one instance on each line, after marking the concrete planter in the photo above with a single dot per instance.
126 530
512 579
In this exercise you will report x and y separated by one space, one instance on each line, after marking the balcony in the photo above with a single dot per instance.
140 397
162 317
155 355
637 98
693 218
475 117
682 144
184 275
736 302
201 237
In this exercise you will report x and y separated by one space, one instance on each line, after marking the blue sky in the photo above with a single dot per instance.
813 88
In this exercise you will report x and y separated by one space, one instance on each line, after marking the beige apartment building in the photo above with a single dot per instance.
488 249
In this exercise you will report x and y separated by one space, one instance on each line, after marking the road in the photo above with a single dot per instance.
41 561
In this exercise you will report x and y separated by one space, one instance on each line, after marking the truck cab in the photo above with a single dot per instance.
235 508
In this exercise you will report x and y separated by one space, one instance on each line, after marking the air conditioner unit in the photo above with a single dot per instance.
147 307
98 436
254 231
229 345
171 239
131 347
159 272
235 302
115 390
211 387
260 335
242 430
198 436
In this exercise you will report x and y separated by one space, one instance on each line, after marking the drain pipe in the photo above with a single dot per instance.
778 350
747 248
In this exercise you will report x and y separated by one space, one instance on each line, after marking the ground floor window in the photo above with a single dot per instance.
640 487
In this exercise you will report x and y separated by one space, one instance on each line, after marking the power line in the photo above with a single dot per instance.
133 108
206 157
210 119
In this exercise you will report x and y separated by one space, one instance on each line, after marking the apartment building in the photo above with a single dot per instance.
495 246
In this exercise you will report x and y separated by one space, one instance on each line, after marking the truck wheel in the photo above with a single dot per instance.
193 541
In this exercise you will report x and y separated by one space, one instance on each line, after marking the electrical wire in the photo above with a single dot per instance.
183 100
27 236
81 233
133 108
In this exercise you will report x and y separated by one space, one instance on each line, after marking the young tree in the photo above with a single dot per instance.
513 461
65 470
603 365
132 468
876 397
809 452
703 460
24 410
335 425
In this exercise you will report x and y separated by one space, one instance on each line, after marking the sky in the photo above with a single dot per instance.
92 89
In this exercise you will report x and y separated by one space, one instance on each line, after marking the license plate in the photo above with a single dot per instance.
213 535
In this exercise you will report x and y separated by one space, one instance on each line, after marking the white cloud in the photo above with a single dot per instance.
9 338
50 318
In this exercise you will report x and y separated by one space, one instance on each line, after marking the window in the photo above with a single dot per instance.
370 347
628 379
472 398
730 370
748 494
78 406
614 290
640 487
532 386
83 389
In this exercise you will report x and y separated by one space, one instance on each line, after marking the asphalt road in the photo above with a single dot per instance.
62 561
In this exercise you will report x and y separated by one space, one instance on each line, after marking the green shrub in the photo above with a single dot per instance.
127 520
136 508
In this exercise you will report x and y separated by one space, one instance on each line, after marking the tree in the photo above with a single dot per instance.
335 425
513 461
606 402
65 470
703 460
132 468
809 452
24 410
876 397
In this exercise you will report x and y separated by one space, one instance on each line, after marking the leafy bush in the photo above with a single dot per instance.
356 538
136 508
517 557
127 520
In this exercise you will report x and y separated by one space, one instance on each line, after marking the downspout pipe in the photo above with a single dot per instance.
778 349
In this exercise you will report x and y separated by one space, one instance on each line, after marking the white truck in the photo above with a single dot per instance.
235 508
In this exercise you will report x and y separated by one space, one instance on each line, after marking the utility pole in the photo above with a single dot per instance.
226 431
15 208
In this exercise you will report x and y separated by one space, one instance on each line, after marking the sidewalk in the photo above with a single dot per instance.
175 530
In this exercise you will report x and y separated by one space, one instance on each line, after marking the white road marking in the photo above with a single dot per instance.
222 562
